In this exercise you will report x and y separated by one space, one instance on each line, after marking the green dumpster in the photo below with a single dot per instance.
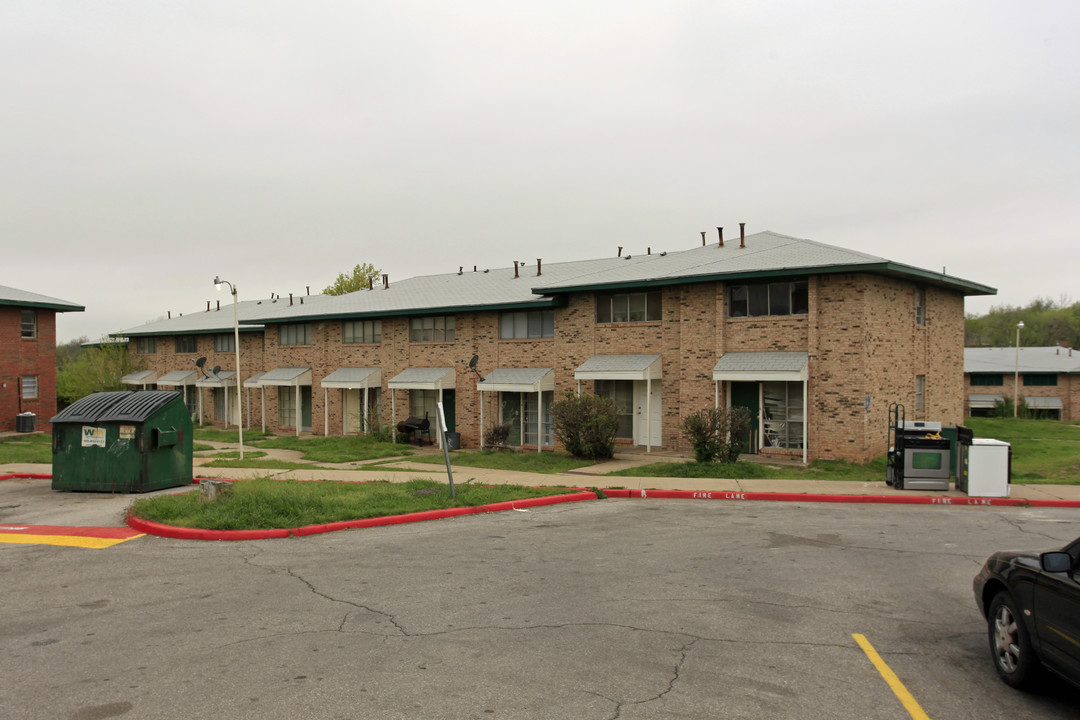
123 441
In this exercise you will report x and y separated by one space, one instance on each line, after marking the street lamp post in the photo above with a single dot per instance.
236 346
1016 376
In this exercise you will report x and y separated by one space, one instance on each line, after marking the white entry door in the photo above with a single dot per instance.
641 426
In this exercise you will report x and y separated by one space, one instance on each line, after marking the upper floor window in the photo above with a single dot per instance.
362 331
29 386
297 334
920 306
988 379
224 343
628 307
1040 379
146 345
186 344
920 393
532 324
29 324
432 329
776 298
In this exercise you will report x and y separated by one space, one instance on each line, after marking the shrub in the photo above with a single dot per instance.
497 435
715 435
586 425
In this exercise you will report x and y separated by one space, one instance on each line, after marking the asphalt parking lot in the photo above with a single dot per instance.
605 609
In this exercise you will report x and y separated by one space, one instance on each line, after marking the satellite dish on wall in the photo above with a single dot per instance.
200 362
216 370
473 361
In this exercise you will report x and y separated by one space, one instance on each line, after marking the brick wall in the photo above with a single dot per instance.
21 357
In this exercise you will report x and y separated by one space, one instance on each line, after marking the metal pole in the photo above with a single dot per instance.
1016 376
236 342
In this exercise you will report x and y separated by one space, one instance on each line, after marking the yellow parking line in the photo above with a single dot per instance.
94 543
898 688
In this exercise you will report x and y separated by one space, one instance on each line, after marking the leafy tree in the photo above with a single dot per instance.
93 369
586 425
360 278
1046 323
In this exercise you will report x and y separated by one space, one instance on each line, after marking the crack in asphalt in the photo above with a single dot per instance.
316 591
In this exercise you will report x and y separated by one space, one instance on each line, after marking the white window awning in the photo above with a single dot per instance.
1039 402
526 380
437 378
762 367
178 377
286 376
349 378
619 367
142 377
224 378
980 401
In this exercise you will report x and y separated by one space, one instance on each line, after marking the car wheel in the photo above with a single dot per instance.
1010 644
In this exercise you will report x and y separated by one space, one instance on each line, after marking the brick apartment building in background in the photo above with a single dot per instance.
815 340
28 355
1046 379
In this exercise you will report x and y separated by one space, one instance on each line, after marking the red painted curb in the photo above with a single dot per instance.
180 533
25 476
819 498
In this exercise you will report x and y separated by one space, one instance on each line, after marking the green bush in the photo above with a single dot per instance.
586 425
715 434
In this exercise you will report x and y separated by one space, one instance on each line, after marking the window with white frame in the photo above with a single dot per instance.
532 324
920 306
782 414
29 387
29 324
629 307
146 345
432 329
287 406
186 344
775 298
224 343
920 393
362 331
294 334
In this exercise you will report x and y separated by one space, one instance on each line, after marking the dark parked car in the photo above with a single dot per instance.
1031 601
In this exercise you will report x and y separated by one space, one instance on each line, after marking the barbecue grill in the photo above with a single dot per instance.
417 428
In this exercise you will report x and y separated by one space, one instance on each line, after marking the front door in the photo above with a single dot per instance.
305 408
748 395
643 404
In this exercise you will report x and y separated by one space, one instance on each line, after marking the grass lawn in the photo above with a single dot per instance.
1043 451
263 504
29 448
817 470
534 462
209 433
337 449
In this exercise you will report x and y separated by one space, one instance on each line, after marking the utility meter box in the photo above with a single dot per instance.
124 441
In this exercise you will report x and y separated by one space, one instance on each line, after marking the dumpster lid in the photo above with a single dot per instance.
91 407
139 406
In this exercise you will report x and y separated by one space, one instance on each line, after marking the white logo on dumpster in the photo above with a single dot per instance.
92 436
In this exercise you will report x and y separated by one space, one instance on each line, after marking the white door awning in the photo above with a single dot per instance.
349 378
286 376
762 367
142 377
438 378
1043 403
620 367
526 380
224 378
983 402
178 378
253 381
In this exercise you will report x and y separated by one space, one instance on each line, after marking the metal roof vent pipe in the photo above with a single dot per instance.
170 311
307 288
702 238
620 251
537 267
371 283
219 306
207 306
515 269
290 299
386 282
720 232
742 235
460 269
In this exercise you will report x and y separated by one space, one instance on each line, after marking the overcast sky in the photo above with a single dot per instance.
147 146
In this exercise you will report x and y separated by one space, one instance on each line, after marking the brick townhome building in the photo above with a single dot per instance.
1046 378
816 340
28 355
